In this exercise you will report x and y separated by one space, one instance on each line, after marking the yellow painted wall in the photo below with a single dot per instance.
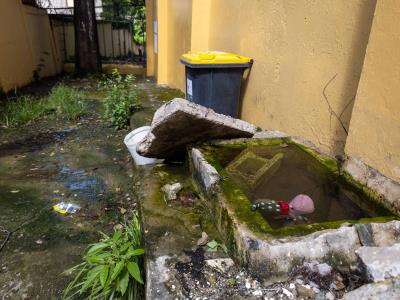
200 35
174 38
26 44
375 124
302 50
298 47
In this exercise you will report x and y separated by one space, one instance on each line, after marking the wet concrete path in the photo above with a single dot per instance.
83 162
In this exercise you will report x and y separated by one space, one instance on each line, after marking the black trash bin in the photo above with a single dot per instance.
213 79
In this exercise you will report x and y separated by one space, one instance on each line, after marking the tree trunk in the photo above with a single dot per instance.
87 53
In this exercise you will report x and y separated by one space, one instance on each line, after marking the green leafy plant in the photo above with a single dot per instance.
214 245
111 267
231 281
121 99
124 12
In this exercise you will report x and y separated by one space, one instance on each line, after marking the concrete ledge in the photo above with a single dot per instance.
276 258
374 180
204 174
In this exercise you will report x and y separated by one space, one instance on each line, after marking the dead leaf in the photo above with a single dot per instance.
203 240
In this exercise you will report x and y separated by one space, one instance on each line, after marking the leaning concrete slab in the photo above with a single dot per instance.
180 122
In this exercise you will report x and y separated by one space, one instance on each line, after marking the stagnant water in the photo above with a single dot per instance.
297 173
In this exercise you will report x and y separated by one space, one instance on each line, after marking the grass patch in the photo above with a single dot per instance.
21 111
112 268
63 101
66 102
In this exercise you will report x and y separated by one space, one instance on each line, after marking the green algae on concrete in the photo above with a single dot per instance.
170 227
372 198
330 163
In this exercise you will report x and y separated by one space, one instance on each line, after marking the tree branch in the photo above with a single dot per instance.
25 223
331 111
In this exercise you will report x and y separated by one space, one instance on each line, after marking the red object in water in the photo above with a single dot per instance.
284 206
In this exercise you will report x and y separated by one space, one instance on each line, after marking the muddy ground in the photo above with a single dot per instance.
52 160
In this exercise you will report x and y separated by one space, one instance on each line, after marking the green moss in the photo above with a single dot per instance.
241 206
372 198
299 230
328 162
244 143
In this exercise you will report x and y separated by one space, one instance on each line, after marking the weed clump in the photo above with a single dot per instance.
112 268
121 99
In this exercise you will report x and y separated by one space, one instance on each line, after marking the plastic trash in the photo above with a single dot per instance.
66 208
299 205
131 141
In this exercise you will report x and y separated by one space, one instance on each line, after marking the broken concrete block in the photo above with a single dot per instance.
380 262
388 290
171 190
206 175
220 264
305 291
276 258
386 234
323 269
180 122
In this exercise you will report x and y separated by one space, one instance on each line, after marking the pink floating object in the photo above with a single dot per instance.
301 205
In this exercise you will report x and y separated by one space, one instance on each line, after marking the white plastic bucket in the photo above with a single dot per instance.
131 141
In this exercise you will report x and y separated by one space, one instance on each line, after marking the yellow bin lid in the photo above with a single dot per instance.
214 58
